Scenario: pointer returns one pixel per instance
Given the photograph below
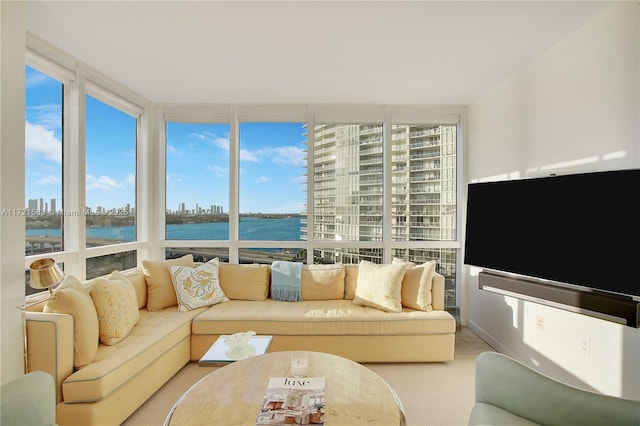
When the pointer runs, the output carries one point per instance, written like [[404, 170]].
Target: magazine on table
[[293, 401]]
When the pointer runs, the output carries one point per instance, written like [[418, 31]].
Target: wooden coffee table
[[354, 395]]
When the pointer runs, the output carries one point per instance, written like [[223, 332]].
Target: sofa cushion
[[71, 297], [116, 305], [160, 291], [322, 282], [317, 318], [197, 287], [380, 286], [244, 282], [416, 284], [155, 333]]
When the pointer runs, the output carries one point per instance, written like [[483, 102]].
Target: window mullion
[[74, 174]]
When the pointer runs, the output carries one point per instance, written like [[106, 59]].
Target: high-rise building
[[348, 189], [33, 204], [53, 205]]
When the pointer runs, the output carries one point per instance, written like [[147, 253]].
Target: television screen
[[580, 229]]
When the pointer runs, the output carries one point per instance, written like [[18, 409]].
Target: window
[[348, 188], [197, 181], [356, 214], [272, 180], [110, 186], [423, 193], [43, 163]]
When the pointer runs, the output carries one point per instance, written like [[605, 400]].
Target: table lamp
[[43, 273]]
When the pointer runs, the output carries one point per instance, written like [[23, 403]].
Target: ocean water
[[251, 228]]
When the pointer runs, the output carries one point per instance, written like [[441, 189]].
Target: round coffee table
[[354, 395]]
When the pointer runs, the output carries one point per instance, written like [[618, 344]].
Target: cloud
[[48, 116], [171, 180], [222, 143], [246, 155], [218, 170], [35, 79], [288, 156], [281, 156], [262, 179], [198, 136], [41, 141], [101, 183], [173, 150], [50, 180], [130, 180]]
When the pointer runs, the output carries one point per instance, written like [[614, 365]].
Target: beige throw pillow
[[416, 285], [197, 287], [116, 305], [379, 286], [244, 282], [160, 291], [71, 297], [322, 282], [350, 281]]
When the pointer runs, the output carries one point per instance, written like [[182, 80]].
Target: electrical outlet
[[540, 322], [585, 346]]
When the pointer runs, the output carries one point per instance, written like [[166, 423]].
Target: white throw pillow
[[417, 284], [379, 286], [197, 287]]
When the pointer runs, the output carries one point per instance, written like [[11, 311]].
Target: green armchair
[[29, 400], [510, 393]]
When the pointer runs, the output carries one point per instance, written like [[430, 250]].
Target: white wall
[[575, 108], [12, 42]]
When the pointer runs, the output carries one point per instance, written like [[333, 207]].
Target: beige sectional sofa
[[122, 376]]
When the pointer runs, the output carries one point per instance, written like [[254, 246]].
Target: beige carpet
[[431, 393]]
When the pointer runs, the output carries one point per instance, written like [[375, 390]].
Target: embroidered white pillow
[[197, 287], [379, 286]]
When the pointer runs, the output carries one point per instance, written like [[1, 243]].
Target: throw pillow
[[160, 291], [416, 285], [350, 281], [116, 305], [244, 282], [71, 297], [323, 282], [197, 287], [379, 286]]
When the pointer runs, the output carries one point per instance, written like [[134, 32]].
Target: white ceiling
[[394, 52]]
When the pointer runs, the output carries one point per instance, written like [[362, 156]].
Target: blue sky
[[272, 157]]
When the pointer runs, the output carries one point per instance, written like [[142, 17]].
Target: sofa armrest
[[517, 389], [50, 346], [437, 292]]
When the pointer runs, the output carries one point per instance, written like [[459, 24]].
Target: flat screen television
[[578, 230]]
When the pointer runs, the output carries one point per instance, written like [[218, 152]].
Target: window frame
[[80, 79]]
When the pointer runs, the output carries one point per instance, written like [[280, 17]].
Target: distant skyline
[[272, 158]]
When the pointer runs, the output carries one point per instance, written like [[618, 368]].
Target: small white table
[[216, 354]]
